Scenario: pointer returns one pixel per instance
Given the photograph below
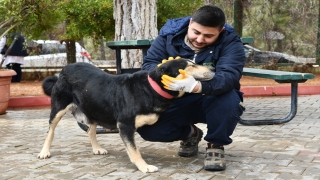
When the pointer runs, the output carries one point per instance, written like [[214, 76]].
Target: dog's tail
[[48, 84]]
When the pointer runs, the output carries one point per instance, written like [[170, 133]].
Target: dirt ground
[[33, 88]]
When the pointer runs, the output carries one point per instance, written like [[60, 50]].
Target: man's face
[[202, 36]]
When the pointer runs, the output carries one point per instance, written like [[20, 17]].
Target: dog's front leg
[[127, 135], [93, 138], [45, 151]]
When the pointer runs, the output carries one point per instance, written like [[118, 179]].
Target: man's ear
[[190, 21], [222, 29]]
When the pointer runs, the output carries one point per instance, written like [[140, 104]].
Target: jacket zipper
[[194, 58]]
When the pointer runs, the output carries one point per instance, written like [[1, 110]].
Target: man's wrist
[[197, 88]]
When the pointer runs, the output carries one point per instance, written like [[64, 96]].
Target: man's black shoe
[[189, 147]]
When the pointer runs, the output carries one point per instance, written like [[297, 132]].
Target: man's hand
[[185, 82]]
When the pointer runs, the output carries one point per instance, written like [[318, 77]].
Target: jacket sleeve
[[229, 69], [156, 53], [2, 42]]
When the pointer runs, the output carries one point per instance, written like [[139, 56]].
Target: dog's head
[[171, 68]]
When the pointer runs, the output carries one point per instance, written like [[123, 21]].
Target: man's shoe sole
[[214, 168], [187, 154]]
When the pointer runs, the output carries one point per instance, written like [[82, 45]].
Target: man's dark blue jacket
[[226, 55]]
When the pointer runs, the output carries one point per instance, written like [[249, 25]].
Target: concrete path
[[287, 151]]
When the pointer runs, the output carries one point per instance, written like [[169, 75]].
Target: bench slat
[[277, 75], [247, 40], [130, 44]]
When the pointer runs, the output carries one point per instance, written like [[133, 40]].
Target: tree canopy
[[37, 18], [169, 9], [91, 18], [296, 20]]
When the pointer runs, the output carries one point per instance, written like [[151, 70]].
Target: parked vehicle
[[254, 55], [52, 53]]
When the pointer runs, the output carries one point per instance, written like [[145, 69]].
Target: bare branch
[[6, 23], [3, 34]]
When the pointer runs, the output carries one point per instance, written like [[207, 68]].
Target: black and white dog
[[126, 101]]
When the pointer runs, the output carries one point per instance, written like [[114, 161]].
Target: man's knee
[[163, 134], [225, 108], [146, 134], [227, 100]]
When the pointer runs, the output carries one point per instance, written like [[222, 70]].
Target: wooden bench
[[279, 76], [40, 72]]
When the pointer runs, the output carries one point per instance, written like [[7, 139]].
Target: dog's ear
[[171, 68]]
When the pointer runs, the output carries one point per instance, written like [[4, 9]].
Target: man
[[16, 55], [205, 39]]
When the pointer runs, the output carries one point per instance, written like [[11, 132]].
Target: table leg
[[293, 112], [118, 60]]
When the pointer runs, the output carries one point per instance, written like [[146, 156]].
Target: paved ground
[[287, 151]]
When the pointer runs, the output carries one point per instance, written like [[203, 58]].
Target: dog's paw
[[149, 168], [100, 151], [44, 155]]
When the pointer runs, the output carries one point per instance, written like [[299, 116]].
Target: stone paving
[[286, 151]]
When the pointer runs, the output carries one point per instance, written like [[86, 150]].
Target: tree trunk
[[70, 48], [208, 2], [135, 19], [238, 16], [81, 42], [102, 51], [71, 51]]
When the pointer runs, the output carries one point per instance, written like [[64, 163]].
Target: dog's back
[[99, 95], [69, 78]]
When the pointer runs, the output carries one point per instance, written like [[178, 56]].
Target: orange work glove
[[169, 59]]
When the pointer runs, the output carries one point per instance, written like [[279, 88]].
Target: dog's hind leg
[[55, 117], [82, 118], [93, 138], [127, 136]]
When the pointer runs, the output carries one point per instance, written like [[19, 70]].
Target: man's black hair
[[209, 15]]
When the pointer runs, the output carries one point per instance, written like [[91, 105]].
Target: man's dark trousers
[[17, 68], [221, 113]]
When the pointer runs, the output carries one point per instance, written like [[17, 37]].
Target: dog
[[126, 101]]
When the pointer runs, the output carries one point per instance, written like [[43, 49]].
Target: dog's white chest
[[146, 119]]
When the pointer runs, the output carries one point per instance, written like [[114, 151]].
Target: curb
[[249, 91], [29, 101]]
